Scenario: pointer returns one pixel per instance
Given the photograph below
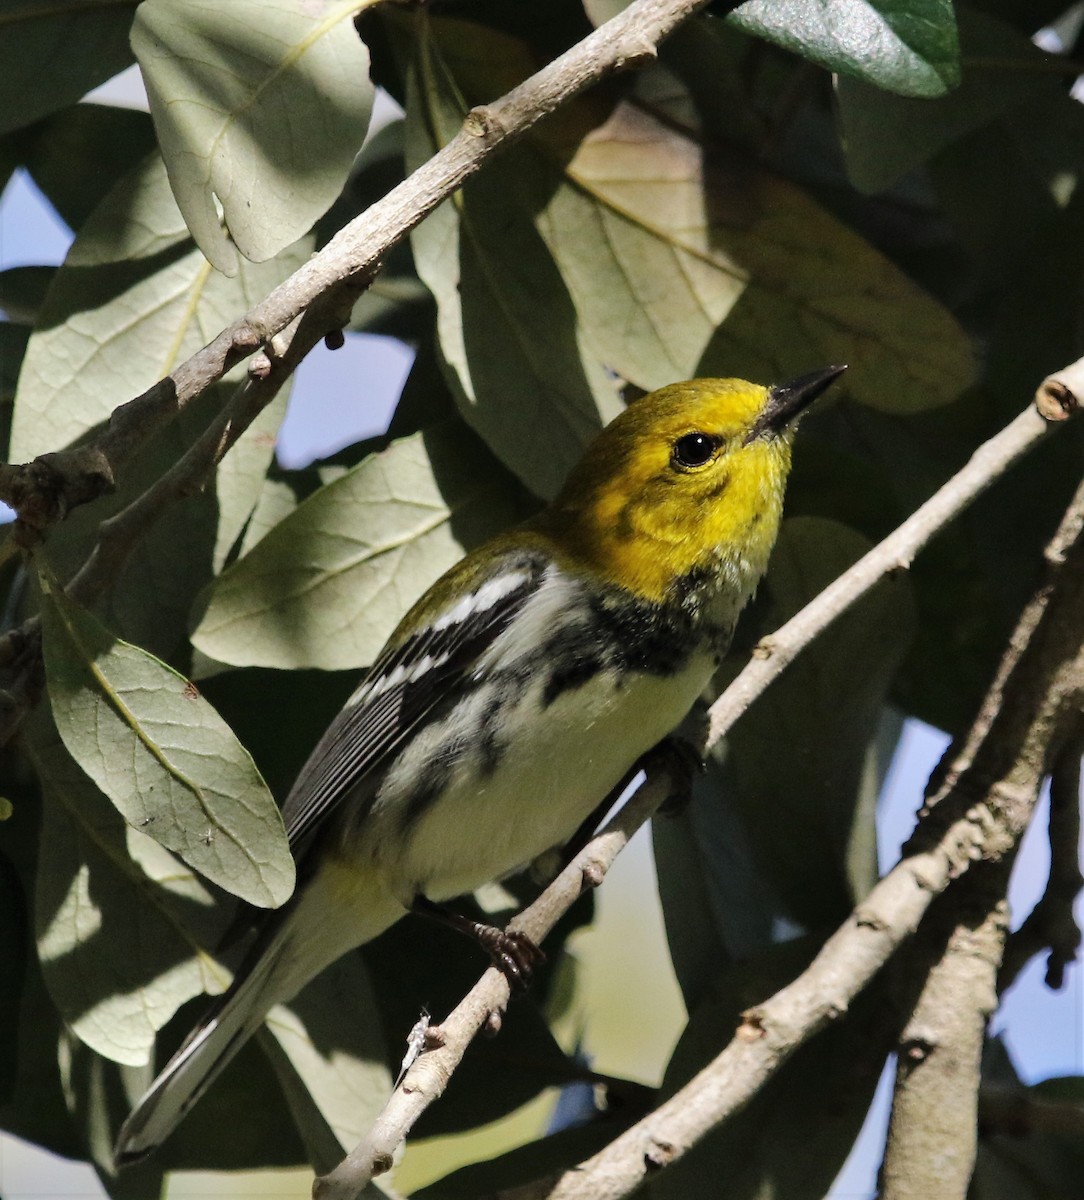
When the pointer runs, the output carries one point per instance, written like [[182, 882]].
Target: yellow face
[[688, 479]]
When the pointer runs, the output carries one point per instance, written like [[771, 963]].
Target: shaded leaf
[[162, 755], [52, 53], [908, 48], [507, 327], [22, 290], [100, 1094], [886, 136], [420, 964], [259, 110], [805, 755], [715, 902], [537, 1159], [326, 587], [14, 340], [77, 155], [329, 1057], [117, 916], [684, 261], [13, 954]]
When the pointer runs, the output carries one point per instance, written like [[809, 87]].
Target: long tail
[[202, 1057], [297, 944]]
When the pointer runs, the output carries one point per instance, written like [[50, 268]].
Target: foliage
[[733, 209]]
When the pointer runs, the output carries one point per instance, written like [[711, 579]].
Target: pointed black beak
[[787, 400]]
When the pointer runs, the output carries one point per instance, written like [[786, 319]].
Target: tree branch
[[45, 490], [977, 812], [1051, 924], [913, 887], [933, 1130]]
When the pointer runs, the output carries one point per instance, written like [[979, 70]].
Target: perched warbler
[[515, 694]]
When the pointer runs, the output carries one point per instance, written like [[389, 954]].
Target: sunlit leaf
[[330, 1059], [326, 587], [507, 328], [116, 914], [162, 755], [132, 300], [910, 48], [259, 109]]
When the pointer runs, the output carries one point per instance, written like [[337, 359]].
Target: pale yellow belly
[[556, 767]]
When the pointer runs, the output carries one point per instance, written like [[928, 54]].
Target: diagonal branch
[[978, 811], [933, 1129], [1051, 925], [45, 490], [427, 1078]]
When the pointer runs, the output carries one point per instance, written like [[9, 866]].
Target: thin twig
[[896, 553], [978, 813], [45, 490], [427, 1078], [1051, 924]]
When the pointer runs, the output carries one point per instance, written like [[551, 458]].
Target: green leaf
[[805, 756], [887, 136], [538, 1159], [132, 300], [162, 755], [327, 1048], [120, 923], [507, 327], [327, 586], [685, 261], [22, 290], [13, 947], [260, 110], [909, 48], [53, 52], [78, 154], [14, 340]]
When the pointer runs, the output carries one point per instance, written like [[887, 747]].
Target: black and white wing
[[405, 685]]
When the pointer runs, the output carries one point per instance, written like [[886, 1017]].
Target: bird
[[514, 696]]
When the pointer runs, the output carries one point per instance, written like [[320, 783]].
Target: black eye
[[693, 450]]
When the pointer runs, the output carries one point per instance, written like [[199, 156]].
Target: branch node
[[1055, 400], [245, 337], [751, 1028], [917, 1049], [482, 122], [660, 1153], [765, 648], [494, 1020], [334, 339], [593, 873], [260, 366]]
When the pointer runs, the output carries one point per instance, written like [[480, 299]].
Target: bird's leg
[[683, 762], [511, 952]]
